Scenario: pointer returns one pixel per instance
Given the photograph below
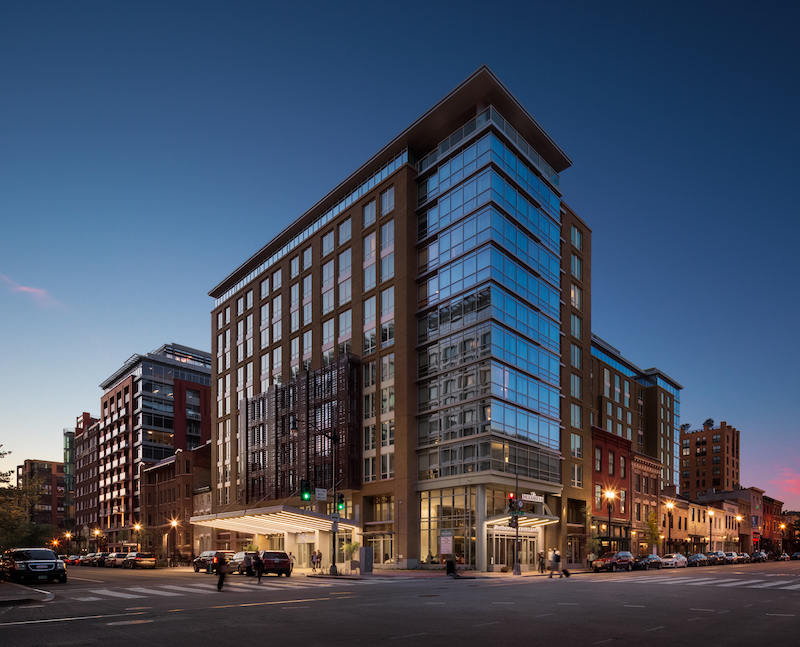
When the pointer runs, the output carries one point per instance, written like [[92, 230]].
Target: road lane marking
[[693, 619], [634, 606], [740, 583], [144, 591], [408, 636], [600, 642], [656, 628], [186, 589], [128, 622], [90, 599], [767, 585], [114, 594], [486, 624], [51, 620], [568, 604], [781, 615], [790, 588], [709, 580], [544, 615], [711, 610]]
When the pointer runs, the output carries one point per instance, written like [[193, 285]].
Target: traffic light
[[305, 490], [513, 523], [340, 502]]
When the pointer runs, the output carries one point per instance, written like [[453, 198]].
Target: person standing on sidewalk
[[291, 561], [555, 564], [541, 562], [319, 560], [314, 561]]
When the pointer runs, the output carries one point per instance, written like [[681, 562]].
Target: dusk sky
[[142, 144]]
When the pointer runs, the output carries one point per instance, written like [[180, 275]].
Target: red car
[[619, 561]]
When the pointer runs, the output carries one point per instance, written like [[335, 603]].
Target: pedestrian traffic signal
[[305, 490], [340, 502], [513, 523]]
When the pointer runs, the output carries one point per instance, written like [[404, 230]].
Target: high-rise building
[[402, 342], [152, 405], [709, 459]]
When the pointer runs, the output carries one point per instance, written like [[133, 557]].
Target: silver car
[[116, 560]]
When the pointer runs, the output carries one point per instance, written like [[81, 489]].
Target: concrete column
[[480, 529]]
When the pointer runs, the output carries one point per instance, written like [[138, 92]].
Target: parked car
[[241, 561], [32, 565], [674, 560], [698, 559], [646, 562], [73, 559], [795, 556], [621, 560], [758, 556], [276, 561], [86, 560], [115, 560], [714, 558], [731, 557], [783, 557], [744, 558], [99, 559], [139, 560]]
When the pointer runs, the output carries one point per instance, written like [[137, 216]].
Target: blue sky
[[143, 143]]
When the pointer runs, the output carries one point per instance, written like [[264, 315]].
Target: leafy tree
[[653, 535], [593, 544], [16, 503], [709, 422]]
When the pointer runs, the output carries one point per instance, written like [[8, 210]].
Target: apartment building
[[709, 459], [50, 507], [152, 405], [449, 277]]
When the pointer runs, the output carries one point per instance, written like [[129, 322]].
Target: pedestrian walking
[[291, 561], [319, 560], [258, 566], [314, 562], [590, 559], [541, 561], [222, 571], [555, 564]]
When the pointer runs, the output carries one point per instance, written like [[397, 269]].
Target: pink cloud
[[785, 487], [42, 297]]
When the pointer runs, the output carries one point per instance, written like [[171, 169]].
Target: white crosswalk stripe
[[741, 583], [146, 592], [114, 594], [777, 585]]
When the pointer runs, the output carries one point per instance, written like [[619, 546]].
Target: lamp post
[[783, 536], [138, 527], [97, 540], [333, 436], [670, 505], [174, 525], [68, 536], [610, 496]]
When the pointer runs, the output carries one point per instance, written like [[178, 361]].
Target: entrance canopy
[[273, 520], [525, 520]]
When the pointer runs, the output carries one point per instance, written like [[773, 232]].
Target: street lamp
[[97, 539], [174, 525], [783, 535], [610, 496], [137, 527], [670, 505], [333, 436]]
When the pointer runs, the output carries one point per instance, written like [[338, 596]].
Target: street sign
[[446, 542], [335, 516], [320, 494], [335, 526], [533, 497]]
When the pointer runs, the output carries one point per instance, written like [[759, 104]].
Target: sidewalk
[[19, 594], [428, 574]]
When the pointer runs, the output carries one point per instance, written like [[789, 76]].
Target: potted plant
[[350, 549]]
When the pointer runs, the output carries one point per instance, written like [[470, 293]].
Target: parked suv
[[276, 561], [32, 565], [621, 560]]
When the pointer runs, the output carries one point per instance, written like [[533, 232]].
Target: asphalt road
[[732, 605]]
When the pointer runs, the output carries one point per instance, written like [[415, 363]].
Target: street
[[736, 604]]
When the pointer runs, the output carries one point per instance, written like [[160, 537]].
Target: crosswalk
[[201, 588], [768, 582]]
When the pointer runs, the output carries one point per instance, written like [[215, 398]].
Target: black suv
[[32, 565]]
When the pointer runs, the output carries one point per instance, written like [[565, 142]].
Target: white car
[[674, 560]]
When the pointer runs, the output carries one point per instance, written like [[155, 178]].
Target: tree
[[593, 544], [709, 422], [653, 535], [16, 503]]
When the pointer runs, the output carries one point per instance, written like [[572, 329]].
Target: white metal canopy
[[272, 520]]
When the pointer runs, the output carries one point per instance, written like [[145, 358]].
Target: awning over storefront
[[273, 520]]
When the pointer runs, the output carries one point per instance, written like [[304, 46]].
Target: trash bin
[[450, 567]]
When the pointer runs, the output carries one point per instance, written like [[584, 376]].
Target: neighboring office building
[[50, 508], [611, 474], [642, 406], [774, 535], [155, 403], [709, 460], [646, 501], [439, 264], [168, 495]]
